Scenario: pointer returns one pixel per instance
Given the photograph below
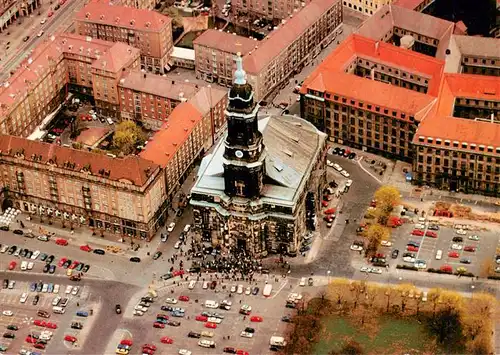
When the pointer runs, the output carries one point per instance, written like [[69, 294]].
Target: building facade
[[255, 191], [271, 10], [215, 54], [11, 10], [138, 4], [146, 30], [367, 8], [125, 197], [293, 45]]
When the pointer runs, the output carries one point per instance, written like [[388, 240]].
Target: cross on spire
[[239, 74]]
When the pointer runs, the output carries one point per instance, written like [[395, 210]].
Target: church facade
[[260, 188]]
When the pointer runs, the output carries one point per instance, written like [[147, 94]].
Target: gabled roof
[[119, 56], [226, 42], [130, 168], [206, 98], [100, 11], [173, 134], [486, 47]]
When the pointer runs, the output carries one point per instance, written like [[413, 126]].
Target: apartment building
[[150, 99], [473, 55], [177, 145], [215, 53], [366, 7], [90, 66], [147, 30], [268, 9], [125, 196], [458, 144], [424, 33], [138, 4], [372, 95], [415, 5], [11, 10], [292, 45]]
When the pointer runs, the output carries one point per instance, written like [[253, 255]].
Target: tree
[[404, 291], [390, 294], [476, 317], [387, 197], [375, 234], [175, 15], [487, 268], [339, 290], [350, 347], [127, 135]]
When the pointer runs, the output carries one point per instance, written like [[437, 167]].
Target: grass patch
[[391, 335]]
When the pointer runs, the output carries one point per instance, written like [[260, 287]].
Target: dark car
[[286, 319], [5, 283], [194, 335], [465, 260], [118, 309], [174, 323], [249, 330], [67, 263], [148, 299], [4, 228], [43, 314], [433, 227], [12, 250], [9, 335], [255, 291], [12, 327], [18, 231], [99, 251], [135, 259], [52, 269], [46, 268], [43, 257], [395, 253], [22, 252], [57, 7], [35, 300], [194, 269], [50, 259], [86, 268], [79, 267], [213, 285], [458, 239], [229, 350], [29, 254], [39, 287], [76, 325], [166, 308], [156, 256]]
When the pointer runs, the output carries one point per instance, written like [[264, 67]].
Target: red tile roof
[[117, 57], [277, 42], [408, 4], [461, 129], [120, 16], [173, 134], [131, 168], [225, 42]]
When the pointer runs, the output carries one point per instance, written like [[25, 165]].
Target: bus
[[267, 290]]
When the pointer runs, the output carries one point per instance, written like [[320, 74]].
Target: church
[[260, 187]]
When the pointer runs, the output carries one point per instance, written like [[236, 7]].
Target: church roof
[[292, 146]]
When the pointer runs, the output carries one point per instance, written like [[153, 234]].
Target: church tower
[[244, 152]]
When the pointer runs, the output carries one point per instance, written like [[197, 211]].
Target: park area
[[357, 317]]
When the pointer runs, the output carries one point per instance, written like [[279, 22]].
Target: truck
[[277, 342], [267, 290]]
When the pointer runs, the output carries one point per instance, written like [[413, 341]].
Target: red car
[[61, 2], [148, 351], [201, 318], [453, 254], [178, 273], [324, 203], [161, 315], [167, 340], [328, 218], [39, 346], [40, 323], [411, 248], [51, 325], [12, 265], [149, 346], [210, 325], [75, 264], [329, 211], [158, 325], [241, 352], [86, 248], [446, 268], [31, 340], [256, 319], [470, 248], [50, 14], [417, 232], [127, 342], [184, 298], [431, 234], [62, 242], [62, 261], [70, 338]]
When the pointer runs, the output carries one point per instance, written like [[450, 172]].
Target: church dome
[[241, 93]]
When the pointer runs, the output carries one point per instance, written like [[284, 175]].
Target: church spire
[[239, 74]]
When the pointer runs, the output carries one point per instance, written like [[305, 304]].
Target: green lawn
[[407, 334]]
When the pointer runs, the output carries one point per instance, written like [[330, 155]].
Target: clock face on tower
[[239, 154]]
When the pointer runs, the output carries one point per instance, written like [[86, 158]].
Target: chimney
[[144, 75], [372, 73], [376, 47]]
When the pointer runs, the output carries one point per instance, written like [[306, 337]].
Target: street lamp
[[328, 274]]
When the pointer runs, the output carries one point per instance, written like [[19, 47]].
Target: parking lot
[[468, 252], [271, 309]]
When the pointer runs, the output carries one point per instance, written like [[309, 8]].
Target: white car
[[184, 352], [140, 308], [227, 303], [23, 298], [178, 244], [408, 259], [329, 163], [56, 288], [12, 283], [205, 285], [4, 249], [138, 312], [302, 281], [214, 320], [337, 167], [171, 227], [386, 243], [43, 21], [171, 301], [8, 313], [206, 343], [456, 247], [40, 34], [420, 264], [461, 232], [375, 270], [30, 265], [246, 334], [233, 288], [248, 290], [420, 226], [35, 255], [356, 247], [344, 173], [240, 289], [69, 288], [43, 238], [24, 266], [474, 237], [365, 269], [348, 183], [75, 290]]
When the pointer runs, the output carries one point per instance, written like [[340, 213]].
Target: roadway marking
[[368, 172], [279, 290]]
